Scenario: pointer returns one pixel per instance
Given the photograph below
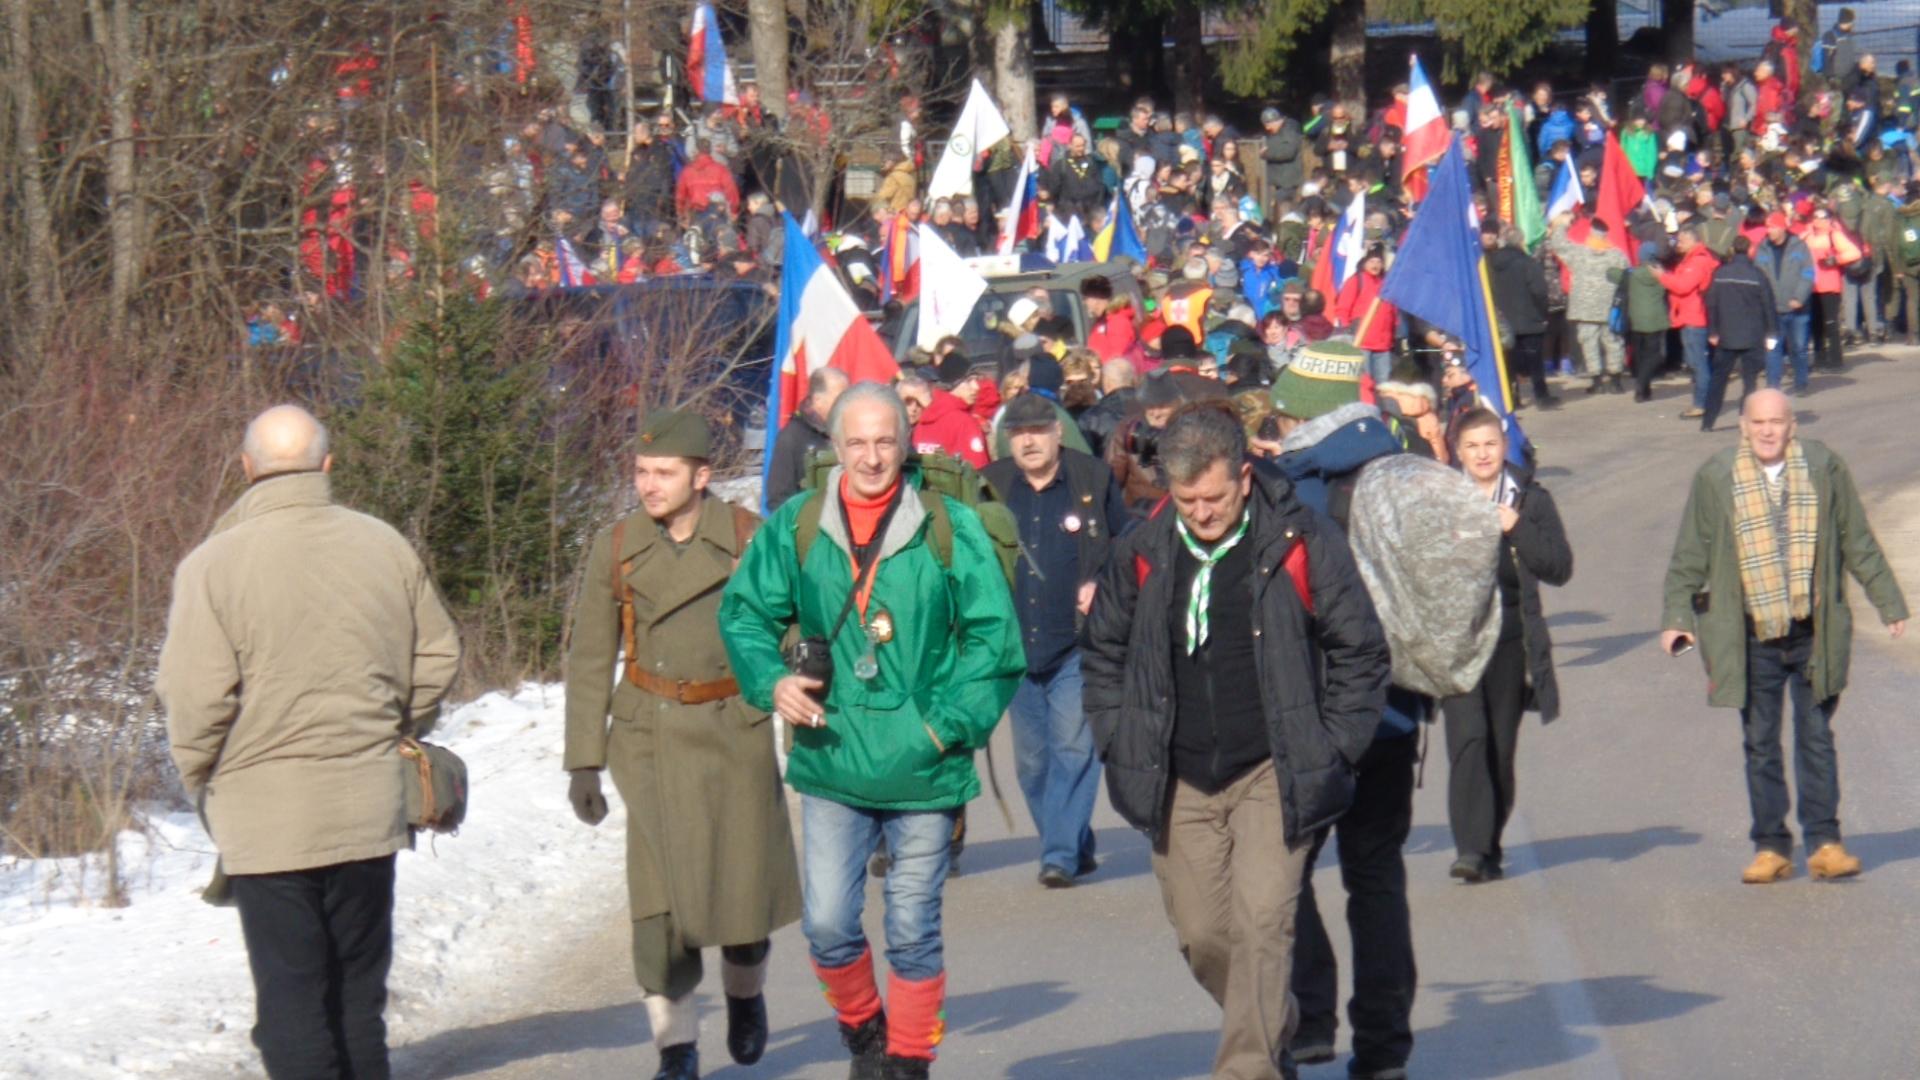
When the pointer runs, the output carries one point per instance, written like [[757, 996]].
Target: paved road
[[1622, 944]]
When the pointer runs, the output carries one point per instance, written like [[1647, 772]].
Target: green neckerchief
[[1201, 596]]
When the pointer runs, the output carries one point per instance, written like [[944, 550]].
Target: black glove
[[584, 792]]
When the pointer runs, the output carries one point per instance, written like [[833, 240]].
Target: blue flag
[[1126, 238], [1439, 276]]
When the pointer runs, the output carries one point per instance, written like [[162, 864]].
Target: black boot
[[906, 1068], [1616, 386], [1594, 387], [868, 1045], [681, 1062], [747, 1028]]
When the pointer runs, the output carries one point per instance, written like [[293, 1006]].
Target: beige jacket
[[303, 639]]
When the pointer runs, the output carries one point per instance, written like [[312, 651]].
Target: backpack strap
[[624, 597], [745, 524], [940, 527], [806, 526]]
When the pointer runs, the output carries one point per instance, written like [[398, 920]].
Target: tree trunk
[[1676, 25], [1013, 75], [1348, 57], [1189, 60], [1603, 38], [43, 286], [113, 33], [769, 27]]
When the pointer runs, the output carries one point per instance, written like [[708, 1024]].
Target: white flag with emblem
[[980, 126], [948, 289]]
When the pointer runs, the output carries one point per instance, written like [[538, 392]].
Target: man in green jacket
[[1758, 577], [710, 860], [908, 654]]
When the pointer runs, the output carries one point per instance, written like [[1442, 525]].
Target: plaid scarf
[[1778, 590]]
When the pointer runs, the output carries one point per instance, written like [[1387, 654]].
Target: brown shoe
[[1832, 861], [1693, 414], [1768, 867]]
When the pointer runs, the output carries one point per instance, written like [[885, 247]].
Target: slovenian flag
[[1022, 218], [573, 270], [1566, 196], [1425, 140], [707, 67], [818, 325]]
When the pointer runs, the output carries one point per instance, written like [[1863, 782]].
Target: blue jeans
[[835, 844], [1777, 669], [1795, 328], [1380, 365], [1053, 757], [1693, 346]]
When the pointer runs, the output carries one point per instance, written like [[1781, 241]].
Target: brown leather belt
[[680, 690]]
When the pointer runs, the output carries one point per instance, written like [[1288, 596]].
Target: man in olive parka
[[710, 855]]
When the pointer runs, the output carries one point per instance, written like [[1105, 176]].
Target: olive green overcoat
[[708, 838]]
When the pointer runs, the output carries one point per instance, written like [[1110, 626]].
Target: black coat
[[1322, 673], [1740, 307], [797, 442], [1519, 290], [1099, 422], [1541, 555]]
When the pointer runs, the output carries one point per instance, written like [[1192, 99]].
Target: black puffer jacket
[[1322, 674]]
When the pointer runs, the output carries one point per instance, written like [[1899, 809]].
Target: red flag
[[1620, 193], [1322, 279]]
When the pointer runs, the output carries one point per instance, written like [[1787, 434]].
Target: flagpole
[[1493, 335]]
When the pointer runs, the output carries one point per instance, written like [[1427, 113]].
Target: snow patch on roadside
[[161, 988]]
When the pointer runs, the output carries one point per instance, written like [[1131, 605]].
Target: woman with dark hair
[[1483, 724]]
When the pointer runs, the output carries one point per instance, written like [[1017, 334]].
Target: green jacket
[[1880, 226], [1706, 560], [1642, 148], [1907, 218], [906, 739], [1646, 299]]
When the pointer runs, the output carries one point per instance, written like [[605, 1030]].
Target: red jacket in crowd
[[1112, 335], [1687, 287], [1769, 97], [1356, 299], [947, 428], [699, 180], [1789, 42]]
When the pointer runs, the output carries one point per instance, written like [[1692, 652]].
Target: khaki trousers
[[1231, 885]]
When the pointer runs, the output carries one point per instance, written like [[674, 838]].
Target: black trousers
[[1372, 835], [1827, 327], [1721, 366], [1483, 730], [1528, 363], [1649, 357], [319, 942]]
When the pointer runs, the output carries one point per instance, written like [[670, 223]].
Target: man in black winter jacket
[[1520, 297], [1229, 776], [1742, 326], [804, 435]]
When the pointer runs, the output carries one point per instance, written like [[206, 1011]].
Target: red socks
[[851, 991], [916, 1015]]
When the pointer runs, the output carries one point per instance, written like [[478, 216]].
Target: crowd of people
[[1098, 527]]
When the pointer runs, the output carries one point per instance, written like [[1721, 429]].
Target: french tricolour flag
[[707, 67], [1567, 196], [1425, 140], [818, 326], [1349, 248]]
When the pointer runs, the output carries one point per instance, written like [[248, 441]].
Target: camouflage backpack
[[940, 475]]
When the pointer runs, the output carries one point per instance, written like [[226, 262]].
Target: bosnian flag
[[980, 126], [1349, 248], [818, 326], [1425, 140], [1022, 218], [1567, 195], [707, 67]]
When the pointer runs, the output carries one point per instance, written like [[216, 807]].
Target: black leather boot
[[868, 1045], [906, 1068], [681, 1062], [747, 1028]]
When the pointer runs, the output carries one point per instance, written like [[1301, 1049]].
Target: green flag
[[1519, 196]]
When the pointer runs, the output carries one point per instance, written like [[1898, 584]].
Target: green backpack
[[940, 475], [1910, 243]]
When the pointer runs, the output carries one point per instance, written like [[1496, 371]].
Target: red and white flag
[[1425, 140]]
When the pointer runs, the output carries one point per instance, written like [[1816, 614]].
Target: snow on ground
[[160, 987]]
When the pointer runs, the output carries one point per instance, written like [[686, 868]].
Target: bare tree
[[769, 26], [42, 269], [1013, 68]]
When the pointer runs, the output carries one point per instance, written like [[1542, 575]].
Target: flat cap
[[674, 433]]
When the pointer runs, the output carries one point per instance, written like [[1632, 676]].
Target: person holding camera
[[710, 858], [908, 653], [1758, 578]]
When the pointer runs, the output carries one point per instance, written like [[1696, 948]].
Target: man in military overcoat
[[650, 696]]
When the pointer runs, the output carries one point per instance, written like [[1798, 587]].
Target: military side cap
[[1323, 377], [674, 433]]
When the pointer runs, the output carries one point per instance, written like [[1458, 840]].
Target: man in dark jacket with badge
[[710, 857], [1067, 508], [1231, 776]]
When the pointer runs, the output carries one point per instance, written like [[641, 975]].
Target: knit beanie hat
[[1322, 377]]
